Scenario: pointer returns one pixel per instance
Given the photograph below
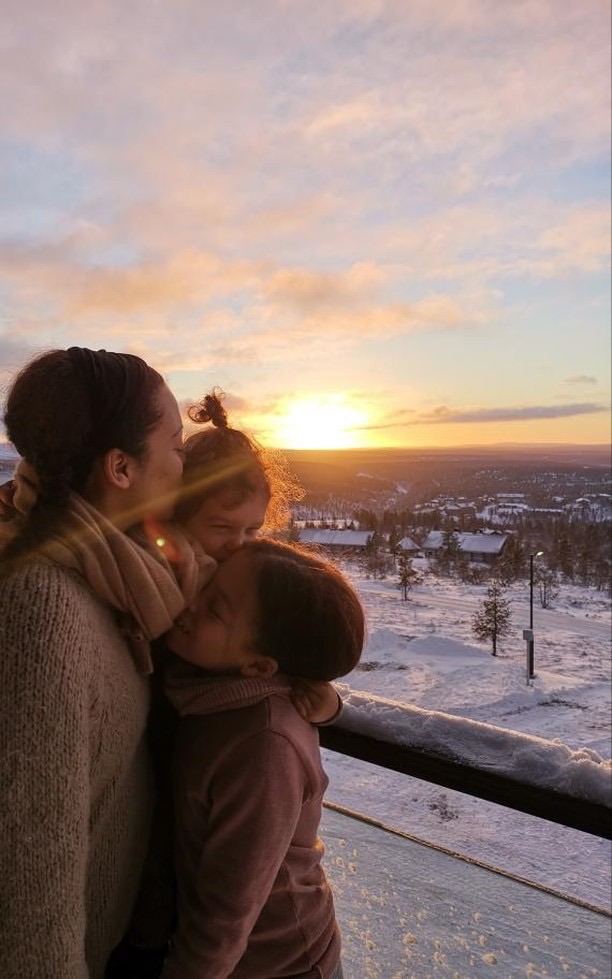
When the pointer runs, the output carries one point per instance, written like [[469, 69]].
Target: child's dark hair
[[220, 459], [310, 618]]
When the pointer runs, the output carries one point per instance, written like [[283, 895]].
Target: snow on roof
[[407, 544], [433, 540], [335, 538], [481, 543], [581, 773]]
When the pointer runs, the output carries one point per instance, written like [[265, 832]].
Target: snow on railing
[[524, 772]]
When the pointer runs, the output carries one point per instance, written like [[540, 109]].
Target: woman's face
[[222, 526], [157, 478], [217, 633]]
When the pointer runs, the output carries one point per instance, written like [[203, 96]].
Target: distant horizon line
[[457, 447], [461, 445]]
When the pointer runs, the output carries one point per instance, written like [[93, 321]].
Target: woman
[[79, 602]]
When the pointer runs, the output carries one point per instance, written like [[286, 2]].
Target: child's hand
[[316, 700]]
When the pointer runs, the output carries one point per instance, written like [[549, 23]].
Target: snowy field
[[421, 652]]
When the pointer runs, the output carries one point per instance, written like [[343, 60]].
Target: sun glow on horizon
[[320, 422]]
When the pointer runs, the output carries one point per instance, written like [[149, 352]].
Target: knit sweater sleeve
[[44, 778], [251, 822]]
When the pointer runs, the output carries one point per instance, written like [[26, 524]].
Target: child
[[232, 488], [253, 900]]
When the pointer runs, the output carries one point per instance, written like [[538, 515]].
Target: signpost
[[528, 637]]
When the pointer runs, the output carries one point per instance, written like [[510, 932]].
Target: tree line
[[574, 551]]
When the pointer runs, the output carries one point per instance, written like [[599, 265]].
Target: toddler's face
[[218, 631], [222, 527]]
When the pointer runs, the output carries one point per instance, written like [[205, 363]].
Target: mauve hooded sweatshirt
[[253, 900]]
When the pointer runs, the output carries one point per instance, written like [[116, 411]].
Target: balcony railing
[[558, 807], [409, 909], [376, 746]]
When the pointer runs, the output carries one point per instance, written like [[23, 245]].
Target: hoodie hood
[[192, 691]]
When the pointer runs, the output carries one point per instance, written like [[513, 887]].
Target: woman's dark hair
[[310, 618], [64, 410], [224, 460]]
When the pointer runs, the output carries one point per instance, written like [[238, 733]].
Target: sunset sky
[[371, 222]]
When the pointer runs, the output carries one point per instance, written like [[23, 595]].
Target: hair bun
[[210, 409]]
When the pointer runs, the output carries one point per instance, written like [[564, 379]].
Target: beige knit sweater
[[74, 782]]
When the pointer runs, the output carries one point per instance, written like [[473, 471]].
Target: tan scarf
[[130, 574]]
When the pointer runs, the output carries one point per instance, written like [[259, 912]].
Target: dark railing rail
[[558, 807]]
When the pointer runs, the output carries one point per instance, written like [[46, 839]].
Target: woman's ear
[[117, 468], [260, 666]]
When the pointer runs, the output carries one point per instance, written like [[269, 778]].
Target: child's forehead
[[230, 502], [225, 499]]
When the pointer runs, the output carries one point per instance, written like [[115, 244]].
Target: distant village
[[563, 516], [483, 546], [475, 539]]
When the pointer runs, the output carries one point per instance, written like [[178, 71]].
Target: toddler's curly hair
[[223, 460]]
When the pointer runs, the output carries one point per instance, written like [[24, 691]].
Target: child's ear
[[260, 666]]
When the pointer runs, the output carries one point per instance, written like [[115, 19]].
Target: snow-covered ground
[[422, 653]]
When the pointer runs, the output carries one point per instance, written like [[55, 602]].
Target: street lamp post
[[530, 639]]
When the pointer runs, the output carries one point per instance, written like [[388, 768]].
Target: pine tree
[[491, 620], [512, 562], [564, 556], [586, 555], [448, 552], [602, 574], [547, 582], [376, 562], [408, 575], [450, 543], [451, 546], [394, 539]]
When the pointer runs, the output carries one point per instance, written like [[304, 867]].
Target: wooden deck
[[410, 911]]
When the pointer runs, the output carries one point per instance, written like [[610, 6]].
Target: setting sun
[[320, 422]]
